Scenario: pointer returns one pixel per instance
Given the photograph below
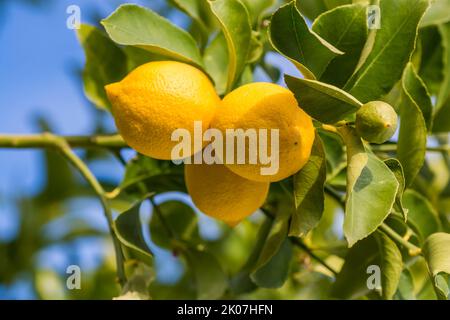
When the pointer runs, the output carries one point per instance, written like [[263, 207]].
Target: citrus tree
[[364, 213]]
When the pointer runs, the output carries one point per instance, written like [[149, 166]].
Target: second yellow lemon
[[268, 106], [223, 195], [157, 98]]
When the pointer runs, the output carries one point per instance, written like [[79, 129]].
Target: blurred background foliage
[[60, 223]]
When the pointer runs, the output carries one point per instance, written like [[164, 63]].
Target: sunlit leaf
[[308, 192], [289, 35], [323, 102], [391, 50], [105, 64], [137, 26], [235, 24]]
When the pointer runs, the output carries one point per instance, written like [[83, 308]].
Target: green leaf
[[334, 151], [289, 35], [412, 140], [441, 119], [418, 92], [181, 221], [371, 189], [395, 166], [216, 62], [422, 217], [129, 230], [277, 234], [437, 253], [323, 102], [197, 10], [257, 8], [241, 282], [351, 282], [405, 290], [235, 24], [313, 8], [308, 192], [209, 276], [274, 273], [132, 25], [439, 12], [352, 20], [391, 265], [392, 48], [105, 64]]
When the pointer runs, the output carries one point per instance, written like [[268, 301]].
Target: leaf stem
[[412, 249]]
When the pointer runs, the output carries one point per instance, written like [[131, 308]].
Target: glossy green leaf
[[395, 166], [371, 189], [412, 140], [274, 273], [441, 119], [235, 24], [216, 62], [391, 265], [129, 230], [437, 253], [308, 192], [422, 217], [289, 35], [180, 224], [137, 26], [323, 102], [352, 20], [211, 281], [105, 64], [439, 12], [417, 90], [391, 50]]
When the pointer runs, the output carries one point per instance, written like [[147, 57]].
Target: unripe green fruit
[[376, 122]]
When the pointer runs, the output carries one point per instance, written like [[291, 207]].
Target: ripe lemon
[[267, 106], [223, 195], [157, 98]]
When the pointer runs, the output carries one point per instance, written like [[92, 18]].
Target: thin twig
[[413, 250], [42, 141]]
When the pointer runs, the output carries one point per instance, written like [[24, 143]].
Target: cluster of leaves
[[393, 196]]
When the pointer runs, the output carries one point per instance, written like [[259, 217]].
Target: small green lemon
[[376, 122]]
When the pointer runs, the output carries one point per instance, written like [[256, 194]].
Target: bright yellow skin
[[157, 98], [221, 194], [268, 106]]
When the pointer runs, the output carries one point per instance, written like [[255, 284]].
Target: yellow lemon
[[266, 106], [157, 98], [221, 194]]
